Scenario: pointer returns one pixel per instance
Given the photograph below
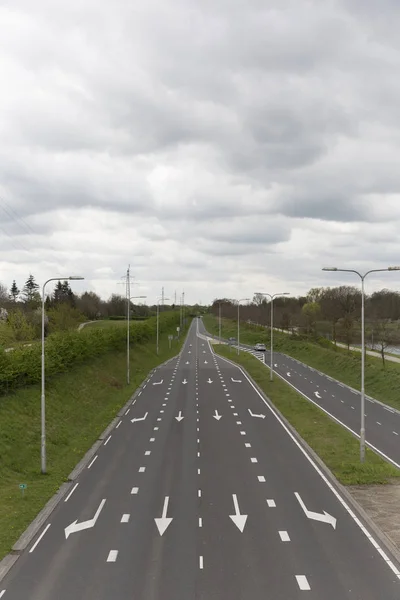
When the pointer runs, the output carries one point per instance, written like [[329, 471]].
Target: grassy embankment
[[80, 404], [339, 450], [380, 383]]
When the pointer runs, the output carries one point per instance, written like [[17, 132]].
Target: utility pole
[[162, 297], [183, 308]]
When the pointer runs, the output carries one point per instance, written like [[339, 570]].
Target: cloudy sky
[[222, 147]]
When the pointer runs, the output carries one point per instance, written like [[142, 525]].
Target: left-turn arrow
[[75, 526]]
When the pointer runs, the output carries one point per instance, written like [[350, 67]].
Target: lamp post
[[219, 321], [272, 296], [238, 324], [127, 337], [362, 277], [43, 396], [158, 317]]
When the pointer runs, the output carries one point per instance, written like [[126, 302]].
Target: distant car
[[260, 347], [232, 340]]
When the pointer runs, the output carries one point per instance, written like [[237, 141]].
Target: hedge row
[[22, 366]]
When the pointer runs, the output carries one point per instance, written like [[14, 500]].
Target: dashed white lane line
[[198, 454], [235, 414], [147, 453], [92, 462], [134, 490], [200, 522], [352, 408], [378, 423], [284, 536], [254, 460], [238, 422], [159, 419], [152, 439], [112, 556], [302, 582], [142, 469], [198, 471], [125, 518], [107, 440], [247, 445], [127, 411], [198, 440], [201, 562], [118, 425], [40, 537], [155, 429], [199, 493], [242, 433], [261, 478], [2, 593], [395, 433], [71, 492], [271, 503]]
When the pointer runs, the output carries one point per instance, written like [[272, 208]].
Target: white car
[[260, 347]]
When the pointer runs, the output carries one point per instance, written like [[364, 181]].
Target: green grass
[[380, 383], [339, 450], [80, 404], [104, 324]]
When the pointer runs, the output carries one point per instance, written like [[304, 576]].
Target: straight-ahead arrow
[[217, 416], [257, 416], [141, 418], [190, 352], [164, 521], [187, 362], [184, 382], [209, 380], [179, 417], [237, 518], [75, 526], [317, 394], [323, 517], [158, 382], [236, 380], [205, 362]]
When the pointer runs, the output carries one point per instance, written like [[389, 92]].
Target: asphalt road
[[382, 423], [222, 504]]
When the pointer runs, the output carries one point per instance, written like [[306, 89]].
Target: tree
[[3, 293], [311, 312], [384, 336], [14, 292], [30, 292], [117, 306], [331, 308]]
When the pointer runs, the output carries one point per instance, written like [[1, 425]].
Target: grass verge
[[79, 406], [380, 383], [339, 450]]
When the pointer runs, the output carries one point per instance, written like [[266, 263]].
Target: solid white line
[[201, 562], [125, 518], [254, 460], [39, 538], [390, 564], [118, 425], [284, 536], [271, 503], [71, 492], [261, 478], [127, 411], [200, 522], [388, 409], [107, 440], [112, 556], [302, 582], [142, 469], [92, 462], [2, 593]]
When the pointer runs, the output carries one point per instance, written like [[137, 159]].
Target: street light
[[238, 305], [158, 316], [272, 296], [362, 277], [43, 397], [127, 337]]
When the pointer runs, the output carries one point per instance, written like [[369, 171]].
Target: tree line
[[333, 312]]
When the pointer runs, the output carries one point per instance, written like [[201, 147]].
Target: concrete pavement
[[224, 503]]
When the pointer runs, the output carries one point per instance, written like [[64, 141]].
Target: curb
[[383, 537], [26, 537]]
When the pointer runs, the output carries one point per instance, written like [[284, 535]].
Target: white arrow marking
[[187, 362], [323, 517], [257, 416], [217, 416], [237, 518], [190, 352], [75, 526], [163, 523], [236, 380], [158, 382], [209, 380], [184, 382], [141, 418], [179, 417], [275, 365], [204, 351], [288, 374], [317, 394], [205, 362]]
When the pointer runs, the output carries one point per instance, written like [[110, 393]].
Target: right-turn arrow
[[256, 416], [323, 517]]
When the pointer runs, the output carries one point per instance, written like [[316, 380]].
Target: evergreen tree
[[30, 291], [14, 292]]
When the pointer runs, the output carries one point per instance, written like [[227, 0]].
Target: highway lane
[[382, 423], [169, 492]]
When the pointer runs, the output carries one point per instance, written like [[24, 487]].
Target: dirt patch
[[382, 504]]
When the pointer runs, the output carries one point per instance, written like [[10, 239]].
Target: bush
[[65, 349]]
